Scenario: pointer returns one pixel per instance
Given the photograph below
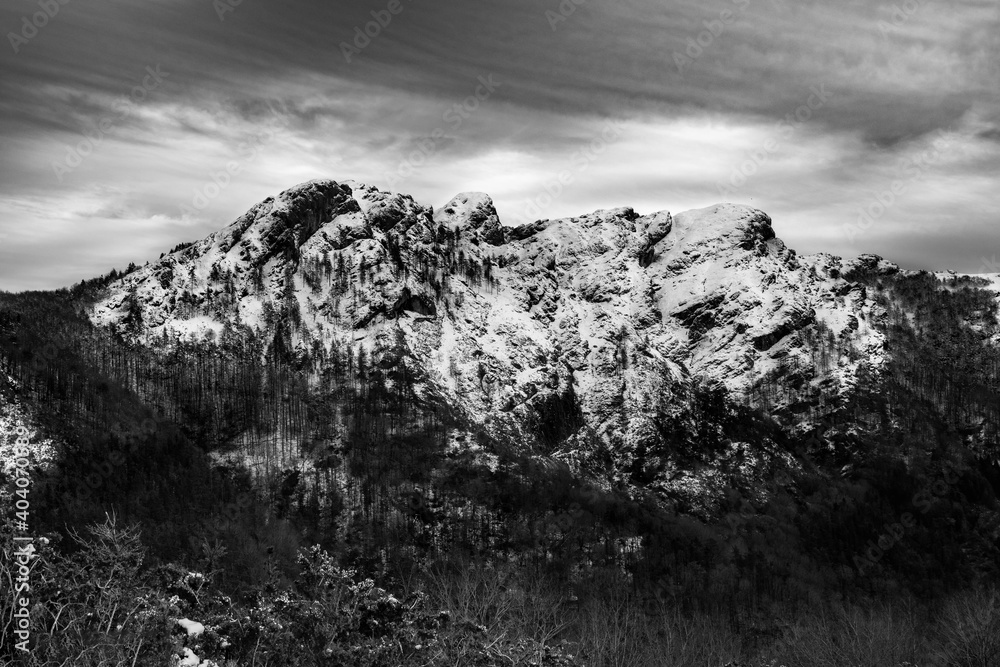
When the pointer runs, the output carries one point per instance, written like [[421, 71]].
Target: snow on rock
[[991, 281], [474, 213], [193, 628], [732, 288], [869, 263], [499, 322], [189, 659], [39, 453]]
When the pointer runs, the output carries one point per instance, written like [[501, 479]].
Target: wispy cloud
[[683, 133]]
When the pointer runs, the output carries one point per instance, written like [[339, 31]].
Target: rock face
[[621, 308]]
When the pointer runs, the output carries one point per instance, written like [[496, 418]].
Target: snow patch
[[193, 628]]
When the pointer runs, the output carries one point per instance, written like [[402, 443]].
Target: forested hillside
[[320, 505]]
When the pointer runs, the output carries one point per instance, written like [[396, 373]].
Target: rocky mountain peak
[[473, 212], [279, 226], [722, 228], [614, 305]]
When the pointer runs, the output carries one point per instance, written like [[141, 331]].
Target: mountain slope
[[677, 404], [619, 309]]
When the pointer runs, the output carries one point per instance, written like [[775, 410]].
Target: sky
[[127, 127]]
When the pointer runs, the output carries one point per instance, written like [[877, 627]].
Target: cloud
[[269, 88]]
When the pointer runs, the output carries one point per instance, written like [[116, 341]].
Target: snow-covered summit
[[475, 212], [620, 307]]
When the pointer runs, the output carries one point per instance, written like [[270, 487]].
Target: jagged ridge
[[619, 306]]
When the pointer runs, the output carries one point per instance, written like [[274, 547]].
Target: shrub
[[970, 629], [92, 606]]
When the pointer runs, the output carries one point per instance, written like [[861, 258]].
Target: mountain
[[617, 307], [660, 413]]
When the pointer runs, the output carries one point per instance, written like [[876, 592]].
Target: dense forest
[[412, 537]]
